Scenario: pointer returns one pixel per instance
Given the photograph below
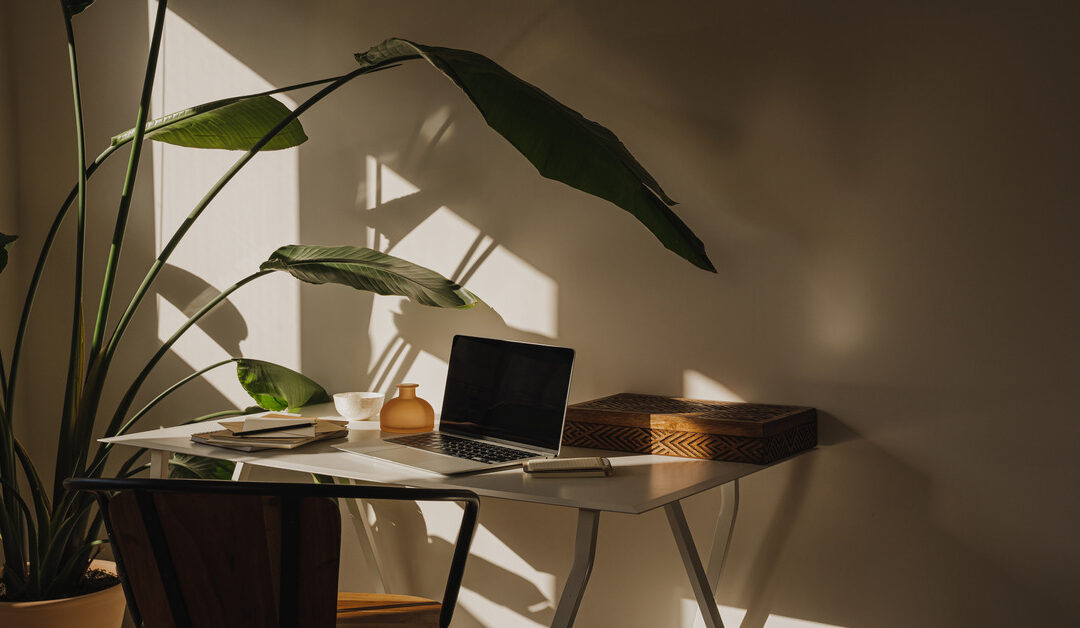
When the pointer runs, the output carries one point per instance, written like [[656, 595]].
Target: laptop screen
[[512, 391]]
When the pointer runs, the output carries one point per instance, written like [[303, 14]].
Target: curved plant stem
[[75, 353], [72, 459], [129, 182], [182, 230], [114, 429], [35, 280], [165, 393]]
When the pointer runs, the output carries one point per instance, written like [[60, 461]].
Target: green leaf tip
[[230, 124], [75, 7], [371, 271], [562, 144], [275, 387], [5, 242]]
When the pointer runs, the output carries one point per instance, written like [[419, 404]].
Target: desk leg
[[725, 526], [241, 472], [159, 464], [584, 550], [692, 563], [362, 525]]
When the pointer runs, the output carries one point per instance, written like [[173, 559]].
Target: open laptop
[[505, 403]]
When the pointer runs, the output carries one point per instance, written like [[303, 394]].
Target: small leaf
[[369, 270], [562, 144], [230, 124], [5, 242], [275, 387], [74, 7]]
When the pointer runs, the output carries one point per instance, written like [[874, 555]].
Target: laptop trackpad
[[425, 460]]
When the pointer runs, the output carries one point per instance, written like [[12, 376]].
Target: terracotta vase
[[407, 413], [101, 609]]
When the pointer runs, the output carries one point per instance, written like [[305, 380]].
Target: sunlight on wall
[[526, 298], [697, 385], [733, 618], [199, 350], [256, 213], [442, 521]]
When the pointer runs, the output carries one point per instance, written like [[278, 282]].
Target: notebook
[[271, 431]]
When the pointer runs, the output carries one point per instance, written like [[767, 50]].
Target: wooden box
[[691, 428]]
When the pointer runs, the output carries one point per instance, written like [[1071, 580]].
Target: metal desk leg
[[362, 525], [584, 550], [159, 464], [692, 563]]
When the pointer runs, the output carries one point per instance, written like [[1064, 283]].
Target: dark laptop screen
[[512, 391]]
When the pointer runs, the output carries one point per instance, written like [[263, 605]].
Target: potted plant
[[48, 535]]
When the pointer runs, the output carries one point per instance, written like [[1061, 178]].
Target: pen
[[264, 430]]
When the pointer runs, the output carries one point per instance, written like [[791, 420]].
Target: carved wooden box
[[691, 428]]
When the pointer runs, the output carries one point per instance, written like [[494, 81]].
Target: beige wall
[[9, 218], [889, 195]]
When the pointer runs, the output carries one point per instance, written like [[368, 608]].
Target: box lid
[[690, 415]]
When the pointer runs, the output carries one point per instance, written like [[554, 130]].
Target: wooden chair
[[210, 554]]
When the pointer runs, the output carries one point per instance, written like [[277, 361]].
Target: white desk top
[[639, 483]]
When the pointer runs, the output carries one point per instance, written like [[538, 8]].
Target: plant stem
[[35, 280], [129, 182], [75, 353], [114, 429], [138, 415], [178, 235], [74, 457]]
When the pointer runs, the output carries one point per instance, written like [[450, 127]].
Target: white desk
[[640, 483]]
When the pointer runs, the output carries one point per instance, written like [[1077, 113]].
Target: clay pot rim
[[107, 565]]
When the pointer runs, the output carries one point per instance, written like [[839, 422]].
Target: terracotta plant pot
[[101, 609]]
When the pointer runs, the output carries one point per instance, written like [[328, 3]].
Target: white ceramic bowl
[[358, 406]]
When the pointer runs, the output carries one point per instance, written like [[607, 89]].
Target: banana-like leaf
[[74, 7], [5, 242], [560, 142], [275, 387], [369, 270], [199, 468], [230, 124]]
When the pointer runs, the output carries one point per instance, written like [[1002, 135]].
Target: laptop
[[505, 403]]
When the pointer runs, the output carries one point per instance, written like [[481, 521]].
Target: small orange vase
[[407, 413]]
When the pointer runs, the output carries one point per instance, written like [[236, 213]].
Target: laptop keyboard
[[461, 447]]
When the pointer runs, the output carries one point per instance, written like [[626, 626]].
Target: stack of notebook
[[271, 431]]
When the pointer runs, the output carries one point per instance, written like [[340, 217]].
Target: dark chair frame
[[290, 494]]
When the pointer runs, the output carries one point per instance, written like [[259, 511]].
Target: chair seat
[[384, 609]]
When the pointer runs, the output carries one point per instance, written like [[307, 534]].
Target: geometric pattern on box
[[691, 428], [691, 445]]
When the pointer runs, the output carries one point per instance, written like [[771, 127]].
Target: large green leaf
[[275, 387], [5, 242], [560, 142], [369, 270], [230, 124]]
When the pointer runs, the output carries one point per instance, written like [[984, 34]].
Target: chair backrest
[[219, 554], [219, 560]]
